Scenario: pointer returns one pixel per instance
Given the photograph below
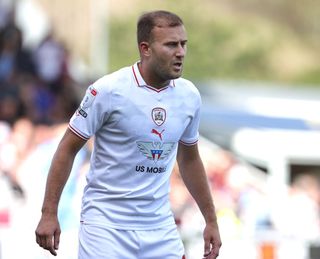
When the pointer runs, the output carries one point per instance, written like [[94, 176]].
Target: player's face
[[168, 49]]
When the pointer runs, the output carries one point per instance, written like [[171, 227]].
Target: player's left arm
[[194, 176]]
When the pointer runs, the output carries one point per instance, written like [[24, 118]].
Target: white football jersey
[[137, 129]]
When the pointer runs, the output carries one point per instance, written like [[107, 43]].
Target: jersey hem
[[128, 226]]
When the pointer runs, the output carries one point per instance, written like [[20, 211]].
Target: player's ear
[[144, 48]]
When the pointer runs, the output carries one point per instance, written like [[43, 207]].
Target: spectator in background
[[14, 149], [15, 65], [15, 61], [50, 59], [299, 215], [55, 83], [37, 101], [10, 106], [38, 86]]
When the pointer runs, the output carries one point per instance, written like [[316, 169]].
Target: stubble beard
[[169, 74]]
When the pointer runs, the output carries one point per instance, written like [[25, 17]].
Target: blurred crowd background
[[51, 51]]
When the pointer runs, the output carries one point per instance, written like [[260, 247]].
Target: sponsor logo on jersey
[[159, 134], [93, 91], [88, 98], [82, 113], [158, 115], [150, 169], [155, 150]]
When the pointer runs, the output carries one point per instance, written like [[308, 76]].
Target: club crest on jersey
[[88, 98], [155, 150], [158, 115]]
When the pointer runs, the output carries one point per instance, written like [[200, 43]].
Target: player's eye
[[172, 44]]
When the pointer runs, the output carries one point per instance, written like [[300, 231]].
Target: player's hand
[[212, 241], [48, 233]]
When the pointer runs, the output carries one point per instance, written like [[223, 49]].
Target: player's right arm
[[48, 229]]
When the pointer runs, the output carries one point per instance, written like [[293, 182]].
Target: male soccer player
[[144, 118]]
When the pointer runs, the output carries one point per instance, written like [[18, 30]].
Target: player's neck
[[150, 79]]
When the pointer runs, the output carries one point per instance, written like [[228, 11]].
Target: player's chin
[[176, 74]]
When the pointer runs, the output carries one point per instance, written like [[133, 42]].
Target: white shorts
[[98, 242]]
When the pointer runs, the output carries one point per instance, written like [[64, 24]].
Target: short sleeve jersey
[[136, 131]]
